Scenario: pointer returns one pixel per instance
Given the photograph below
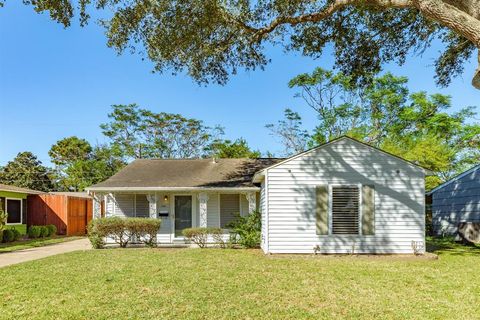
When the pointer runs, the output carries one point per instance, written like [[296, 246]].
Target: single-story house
[[340, 197], [13, 201], [456, 202]]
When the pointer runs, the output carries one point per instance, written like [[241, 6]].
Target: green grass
[[32, 243], [226, 284]]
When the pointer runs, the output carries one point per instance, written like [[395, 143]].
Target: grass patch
[[22, 228], [225, 284], [33, 243]]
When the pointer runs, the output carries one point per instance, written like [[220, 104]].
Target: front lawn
[[215, 283], [33, 243]]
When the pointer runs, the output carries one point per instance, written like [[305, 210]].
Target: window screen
[[229, 208], [14, 211], [345, 210]]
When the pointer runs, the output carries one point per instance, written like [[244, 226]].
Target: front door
[[183, 214]]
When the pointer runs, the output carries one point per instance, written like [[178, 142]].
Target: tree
[[290, 133], [234, 149], [140, 133], [385, 114], [212, 39], [78, 165], [26, 171]]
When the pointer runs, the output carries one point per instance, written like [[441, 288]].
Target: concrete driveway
[[7, 259]]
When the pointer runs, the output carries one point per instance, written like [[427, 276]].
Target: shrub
[[16, 234], [44, 232], [143, 230], [96, 239], [7, 235], [52, 230], [248, 229], [217, 235], [199, 236], [34, 232], [122, 231]]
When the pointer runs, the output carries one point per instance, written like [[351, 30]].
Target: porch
[[179, 209]]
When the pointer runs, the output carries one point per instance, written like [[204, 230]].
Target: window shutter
[[368, 210], [322, 209]]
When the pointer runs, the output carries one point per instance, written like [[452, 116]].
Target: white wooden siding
[[141, 206], [399, 200], [124, 205], [263, 213], [213, 213]]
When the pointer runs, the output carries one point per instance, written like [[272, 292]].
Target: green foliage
[[26, 171], [140, 133], [144, 230], [290, 132], [248, 228], [96, 239], [34, 232], [78, 165], [385, 114], [3, 217], [212, 39], [199, 236], [8, 236], [44, 232], [123, 231], [52, 230], [16, 234], [233, 149]]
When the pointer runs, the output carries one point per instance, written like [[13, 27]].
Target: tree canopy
[[416, 126], [233, 149], [212, 39], [26, 171]]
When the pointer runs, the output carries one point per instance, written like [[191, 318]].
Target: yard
[[214, 283]]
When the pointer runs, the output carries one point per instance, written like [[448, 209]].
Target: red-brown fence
[[68, 213]]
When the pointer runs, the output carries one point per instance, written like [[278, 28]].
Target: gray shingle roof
[[187, 173], [4, 187]]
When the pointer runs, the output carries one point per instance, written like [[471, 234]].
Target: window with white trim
[[14, 211], [345, 210]]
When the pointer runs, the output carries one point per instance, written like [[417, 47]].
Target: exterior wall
[[131, 205], [458, 201], [263, 211], [290, 192]]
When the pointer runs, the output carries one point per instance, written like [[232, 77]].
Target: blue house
[[456, 203]]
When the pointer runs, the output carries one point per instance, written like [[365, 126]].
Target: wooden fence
[[69, 214]]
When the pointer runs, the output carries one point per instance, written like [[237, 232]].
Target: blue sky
[[57, 82]]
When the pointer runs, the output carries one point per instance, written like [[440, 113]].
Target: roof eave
[[174, 189]]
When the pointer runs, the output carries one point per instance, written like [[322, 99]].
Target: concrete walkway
[[7, 259]]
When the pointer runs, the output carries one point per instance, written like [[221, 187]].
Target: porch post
[[152, 205], [97, 205], [203, 200], [252, 201]]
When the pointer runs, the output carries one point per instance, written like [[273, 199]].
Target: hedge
[[123, 231], [199, 236]]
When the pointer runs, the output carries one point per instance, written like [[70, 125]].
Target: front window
[[14, 211]]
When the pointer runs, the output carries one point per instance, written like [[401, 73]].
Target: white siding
[[399, 200], [124, 205], [141, 206], [243, 205], [263, 211]]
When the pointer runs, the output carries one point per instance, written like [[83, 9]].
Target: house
[[456, 202], [340, 197], [13, 201]]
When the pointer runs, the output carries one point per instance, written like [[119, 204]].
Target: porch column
[[252, 201], [97, 205], [152, 205], [203, 200]]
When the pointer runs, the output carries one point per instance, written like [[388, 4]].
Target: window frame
[[21, 211], [330, 207]]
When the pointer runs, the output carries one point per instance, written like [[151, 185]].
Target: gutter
[[109, 189]]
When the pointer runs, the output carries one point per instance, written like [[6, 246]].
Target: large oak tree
[[212, 39]]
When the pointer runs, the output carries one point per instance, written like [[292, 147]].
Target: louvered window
[[345, 210]]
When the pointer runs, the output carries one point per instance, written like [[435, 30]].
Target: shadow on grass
[[449, 246]]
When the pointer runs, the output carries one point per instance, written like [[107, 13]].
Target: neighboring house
[[14, 202], [456, 201], [340, 197]]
